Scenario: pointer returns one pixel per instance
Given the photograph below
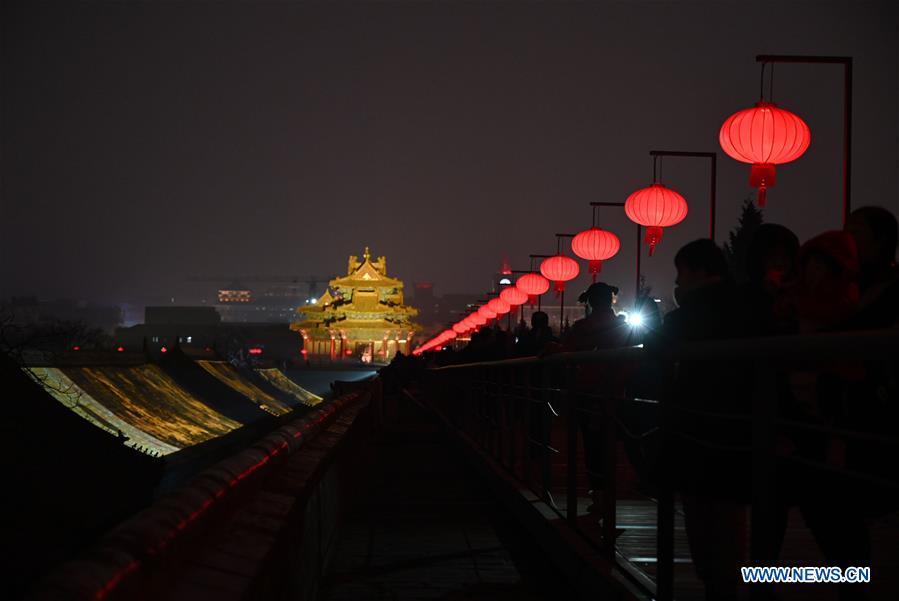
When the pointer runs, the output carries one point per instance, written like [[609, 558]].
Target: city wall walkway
[[420, 524]]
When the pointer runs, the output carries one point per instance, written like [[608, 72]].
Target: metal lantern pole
[[521, 306], [639, 247], [713, 177], [846, 61], [562, 292], [539, 298]]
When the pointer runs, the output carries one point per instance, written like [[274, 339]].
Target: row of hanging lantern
[[763, 136], [526, 289]]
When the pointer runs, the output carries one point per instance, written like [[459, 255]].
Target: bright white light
[[635, 320], [505, 281]]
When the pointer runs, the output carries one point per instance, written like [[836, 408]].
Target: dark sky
[[145, 142]]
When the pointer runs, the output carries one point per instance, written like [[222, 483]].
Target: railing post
[[609, 492], [498, 413], [764, 466], [571, 416], [546, 434], [526, 433], [510, 421], [665, 511], [474, 406]]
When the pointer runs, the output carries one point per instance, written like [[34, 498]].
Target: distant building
[[361, 315], [170, 326], [235, 293], [30, 310], [199, 329], [174, 315]]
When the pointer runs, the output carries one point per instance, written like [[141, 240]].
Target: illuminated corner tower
[[360, 315]]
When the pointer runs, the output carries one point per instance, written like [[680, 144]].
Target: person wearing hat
[[600, 329]]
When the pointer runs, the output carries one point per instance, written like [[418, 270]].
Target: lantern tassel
[[560, 288], [762, 176], [653, 237], [595, 268]]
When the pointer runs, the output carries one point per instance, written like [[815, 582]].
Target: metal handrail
[[864, 345], [766, 356]]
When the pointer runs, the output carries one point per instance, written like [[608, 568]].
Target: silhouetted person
[[481, 346], [874, 230], [710, 475], [600, 329], [538, 338], [641, 417], [503, 345], [827, 293], [827, 297], [771, 264], [874, 401]]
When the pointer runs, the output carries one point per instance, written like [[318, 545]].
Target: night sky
[[146, 142]]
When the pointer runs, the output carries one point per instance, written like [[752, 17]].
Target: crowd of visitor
[[837, 281]]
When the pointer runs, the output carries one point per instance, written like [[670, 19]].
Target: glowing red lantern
[[477, 319], [487, 312], [764, 136], [559, 269], [595, 245], [514, 296], [459, 328], [532, 284], [655, 207], [499, 306], [448, 335], [164, 350], [120, 349]]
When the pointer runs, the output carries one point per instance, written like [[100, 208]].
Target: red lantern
[[514, 296], [448, 335], [655, 207], [559, 269], [486, 312], [764, 136], [499, 306], [477, 319], [532, 284], [595, 245], [459, 328]]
